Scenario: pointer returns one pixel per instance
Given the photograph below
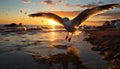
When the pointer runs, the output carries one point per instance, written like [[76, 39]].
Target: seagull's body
[[70, 28], [70, 25]]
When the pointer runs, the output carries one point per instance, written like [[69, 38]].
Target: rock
[[89, 39], [114, 67], [86, 39], [107, 43], [11, 25], [96, 48], [108, 55], [60, 46], [101, 52], [115, 64], [117, 56], [105, 48]]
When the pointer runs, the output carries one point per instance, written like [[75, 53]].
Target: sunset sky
[[17, 11]]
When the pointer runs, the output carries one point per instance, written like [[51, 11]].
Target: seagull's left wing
[[92, 12], [47, 15]]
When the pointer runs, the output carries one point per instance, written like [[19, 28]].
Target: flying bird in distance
[[72, 25]]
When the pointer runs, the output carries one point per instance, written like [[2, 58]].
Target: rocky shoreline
[[107, 43]]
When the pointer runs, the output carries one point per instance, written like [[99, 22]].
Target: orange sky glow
[[17, 11], [45, 21]]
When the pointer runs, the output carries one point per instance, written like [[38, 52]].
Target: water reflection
[[52, 36], [50, 49], [69, 59]]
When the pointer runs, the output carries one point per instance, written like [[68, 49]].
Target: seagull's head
[[66, 19]]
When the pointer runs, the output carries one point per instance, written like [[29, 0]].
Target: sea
[[46, 49]]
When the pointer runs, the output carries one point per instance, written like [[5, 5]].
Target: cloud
[[48, 2], [69, 5], [85, 6], [51, 3], [26, 1], [93, 4], [100, 2], [112, 15], [113, 1]]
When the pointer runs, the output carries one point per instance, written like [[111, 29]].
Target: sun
[[53, 22]]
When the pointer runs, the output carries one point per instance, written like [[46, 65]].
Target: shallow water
[[17, 50]]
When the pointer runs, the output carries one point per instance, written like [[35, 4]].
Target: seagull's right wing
[[48, 15], [92, 12]]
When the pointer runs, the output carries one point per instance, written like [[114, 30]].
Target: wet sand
[[107, 44]]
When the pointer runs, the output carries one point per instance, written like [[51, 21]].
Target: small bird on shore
[[72, 25]]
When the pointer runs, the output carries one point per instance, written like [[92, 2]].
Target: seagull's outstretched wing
[[91, 12], [47, 15]]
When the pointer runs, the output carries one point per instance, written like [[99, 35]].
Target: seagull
[[72, 25]]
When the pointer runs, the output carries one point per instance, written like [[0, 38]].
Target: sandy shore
[[107, 43]]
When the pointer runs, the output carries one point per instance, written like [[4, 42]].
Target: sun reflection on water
[[53, 33], [52, 36]]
